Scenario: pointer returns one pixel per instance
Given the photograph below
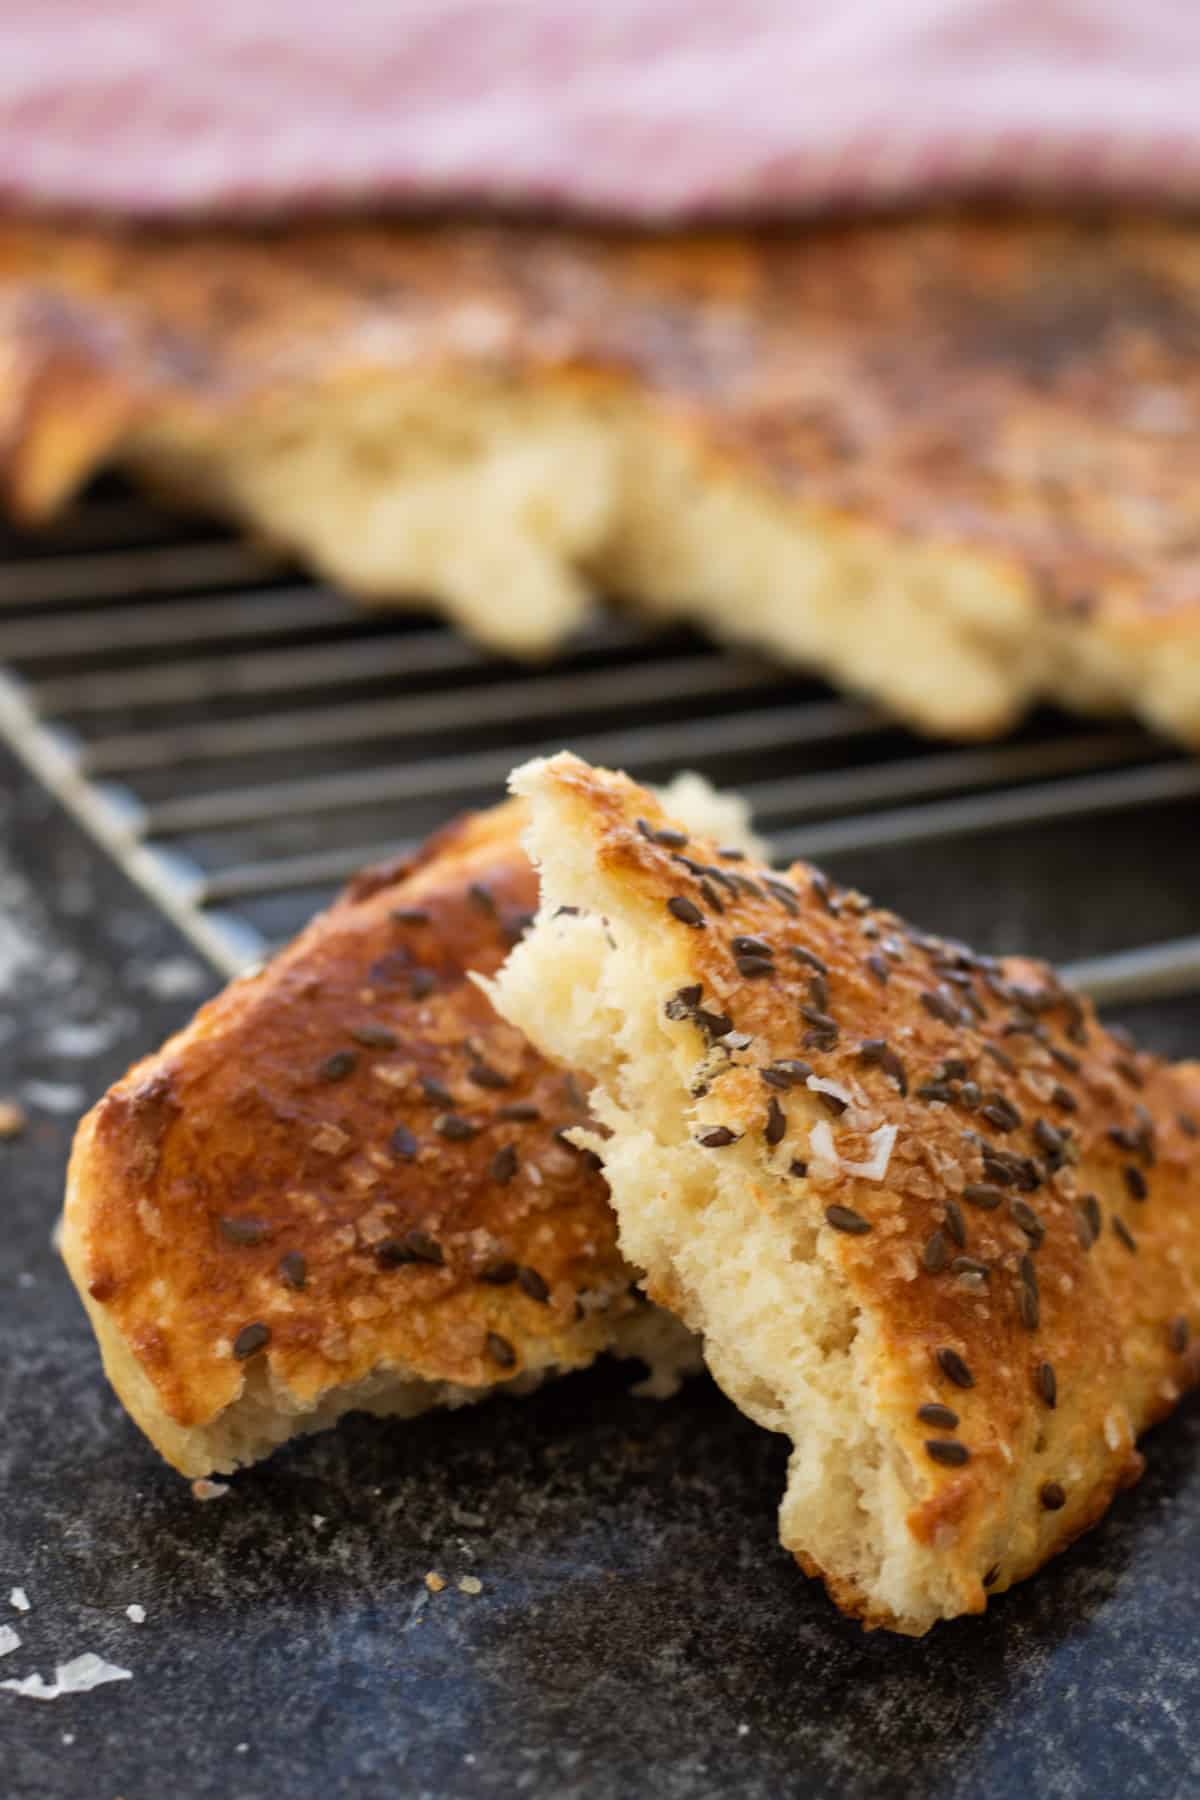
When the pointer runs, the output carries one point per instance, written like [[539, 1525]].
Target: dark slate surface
[[639, 1631]]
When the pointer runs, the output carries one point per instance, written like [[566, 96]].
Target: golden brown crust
[[1060, 1161], [291, 1161], [1024, 388]]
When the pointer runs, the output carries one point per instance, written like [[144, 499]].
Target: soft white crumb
[[318, 1520], [241, 1749], [68, 1737], [20, 1599], [470, 1584], [136, 1614], [743, 1731], [204, 1489]]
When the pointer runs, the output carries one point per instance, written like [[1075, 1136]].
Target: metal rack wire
[[242, 740]]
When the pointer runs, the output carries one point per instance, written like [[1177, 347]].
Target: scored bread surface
[[950, 461], [344, 1184], [932, 1220]]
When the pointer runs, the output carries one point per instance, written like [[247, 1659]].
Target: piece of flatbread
[[932, 1220], [950, 462], [344, 1184]]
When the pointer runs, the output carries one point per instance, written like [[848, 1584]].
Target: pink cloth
[[646, 109]]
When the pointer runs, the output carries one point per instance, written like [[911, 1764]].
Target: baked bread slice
[[343, 1185], [950, 462], [932, 1220]]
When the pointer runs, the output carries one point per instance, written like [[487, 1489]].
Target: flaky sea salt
[[78, 1676], [10, 1640], [136, 1614], [20, 1599]]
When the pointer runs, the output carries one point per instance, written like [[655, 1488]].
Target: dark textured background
[[639, 1631]]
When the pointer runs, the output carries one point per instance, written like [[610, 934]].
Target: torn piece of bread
[[933, 1221], [949, 462], [344, 1185]]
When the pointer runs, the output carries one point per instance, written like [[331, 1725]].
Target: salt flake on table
[[78, 1676]]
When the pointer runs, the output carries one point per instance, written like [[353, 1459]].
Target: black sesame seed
[[750, 946], [338, 1066], [938, 1003], [992, 1576], [878, 968], [1179, 1334], [1123, 1232], [1122, 1137], [711, 896], [969, 1265], [891, 1065], [1187, 1125], [421, 983], [250, 1339], [776, 1125], [455, 1127], [1028, 1220], [798, 1168], [953, 1069], [670, 839], [293, 1270], [1029, 1307], [1064, 1059], [1064, 1099], [713, 1025], [485, 1076], [436, 1092], [818, 993], [996, 1170], [820, 1021], [948, 1451], [646, 829], [956, 1225], [1028, 1271], [1090, 1213], [744, 885], [954, 1368], [504, 1164], [717, 1137], [777, 1078], [821, 888], [413, 1247], [935, 1254], [500, 1350], [404, 1144], [983, 1194], [786, 896], [1128, 1073], [410, 915], [684, 1001], [942, 1418], [500, 1274], [374, 1037], [1048, 1139], [1000, 1113], [936, 1090], [686, 911], [1135, 1181], [1052, 1496], [872, 1050], [244, 1231], [481, 897], [1000, 1056], [520, 1112], [844, 1218], [794, 1066], [1046, 1382], [533, 1284], [752, 966], [969, 1095]]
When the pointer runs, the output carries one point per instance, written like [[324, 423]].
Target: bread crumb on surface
[[13, 1119], [19, 1598], [203, 1489], [10, 1640], [435, 1582], [136, 1614], [470, 1584]]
